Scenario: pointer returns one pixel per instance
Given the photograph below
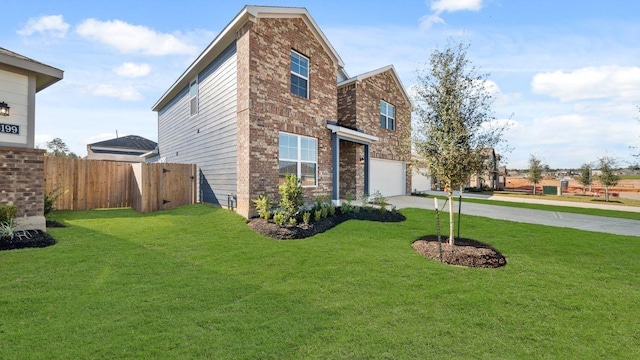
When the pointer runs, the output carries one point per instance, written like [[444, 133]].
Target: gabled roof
[[361, 77], [127, 142], [45, 75], [228, 36]]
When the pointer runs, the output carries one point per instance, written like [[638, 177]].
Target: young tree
[[57, 148], [535, 171], [454, 122], [607, 177], [585, 177]]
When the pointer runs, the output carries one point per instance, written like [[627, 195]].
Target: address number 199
[[9, 129]]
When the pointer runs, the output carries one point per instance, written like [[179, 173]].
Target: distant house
[[130, 148], [494, 175], [270, 96], [21, 165]]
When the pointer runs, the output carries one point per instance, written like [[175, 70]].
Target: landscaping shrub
[[7, 213], [290, 195], [263, 206], [51, 198]]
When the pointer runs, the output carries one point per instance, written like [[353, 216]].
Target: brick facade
[[267, 107], [359, 107], [22, 184]]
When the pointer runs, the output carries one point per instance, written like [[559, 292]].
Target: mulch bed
[[465, 252], [30, 238], [300, 231]]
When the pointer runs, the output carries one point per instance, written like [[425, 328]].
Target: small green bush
[[290, 195], [324, 212], [380, 200], [280, 217], [51, 198], [306, 217], [293, 221], [7, 213], [332, 210], [263, 206], [317, 215], [8, 229]]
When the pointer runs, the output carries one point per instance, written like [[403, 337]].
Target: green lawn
[[195, 282]]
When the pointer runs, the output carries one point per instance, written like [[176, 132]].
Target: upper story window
[[193, 97], [298, 155], [299, 74], [387, 115]]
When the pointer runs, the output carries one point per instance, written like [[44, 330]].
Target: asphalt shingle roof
[[128, 142]]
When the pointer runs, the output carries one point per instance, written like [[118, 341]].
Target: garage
[[387, 177]]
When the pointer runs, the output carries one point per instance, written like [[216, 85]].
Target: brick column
[[22, 184]]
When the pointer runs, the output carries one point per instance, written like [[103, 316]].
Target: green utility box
[[550, 190]]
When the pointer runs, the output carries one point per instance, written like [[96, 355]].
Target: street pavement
[[542, 217]]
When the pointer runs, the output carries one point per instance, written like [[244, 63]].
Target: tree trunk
[[451, 219], [584, 190], [534, 189], [606, 193]]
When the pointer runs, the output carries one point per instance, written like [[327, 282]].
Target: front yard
[[196, 282]]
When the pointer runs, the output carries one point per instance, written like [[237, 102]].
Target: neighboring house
[[270, 96], [21, 165], [130, 148], [494, 175]]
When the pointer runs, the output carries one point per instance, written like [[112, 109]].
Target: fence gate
[[162, 186]]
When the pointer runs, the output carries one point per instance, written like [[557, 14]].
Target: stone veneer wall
[[266, 105], [22, 184]]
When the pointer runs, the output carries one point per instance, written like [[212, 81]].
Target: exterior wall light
[[4, 109]]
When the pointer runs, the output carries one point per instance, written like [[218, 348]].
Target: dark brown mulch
[[31, 239], [465, 252], [300, 231]]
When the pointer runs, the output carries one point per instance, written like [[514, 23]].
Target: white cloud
[[441, 6], [603, 82], [133, 70], [53, 25], [127, 93], [128, 38]]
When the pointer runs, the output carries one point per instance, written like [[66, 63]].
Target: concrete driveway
[[548, 218]]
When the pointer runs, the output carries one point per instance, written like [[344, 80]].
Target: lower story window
[[298, 155]]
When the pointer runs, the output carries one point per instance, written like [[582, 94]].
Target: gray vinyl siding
[[208, 139]]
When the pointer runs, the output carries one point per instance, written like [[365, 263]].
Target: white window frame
[[386, 115], [299, 160], [300, 75], [194, 84]]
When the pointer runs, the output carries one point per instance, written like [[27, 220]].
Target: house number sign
[[10, 129]]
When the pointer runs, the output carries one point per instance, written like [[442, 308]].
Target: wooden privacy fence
[[99, 184]]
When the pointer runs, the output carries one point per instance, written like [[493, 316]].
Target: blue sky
[[565, 74]]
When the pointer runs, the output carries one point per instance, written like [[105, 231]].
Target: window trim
[[387, 117], [293, 73], [193, 83], [299, 160]]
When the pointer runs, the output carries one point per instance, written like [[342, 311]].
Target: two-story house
[[269, 96]]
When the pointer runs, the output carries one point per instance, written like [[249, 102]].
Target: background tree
[[454, 122], [585, 177], [57, 148], [607, 178], [535, 171]]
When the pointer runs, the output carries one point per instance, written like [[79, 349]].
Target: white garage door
[[387, 176]]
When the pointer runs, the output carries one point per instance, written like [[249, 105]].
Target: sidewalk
[[542, 217]]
